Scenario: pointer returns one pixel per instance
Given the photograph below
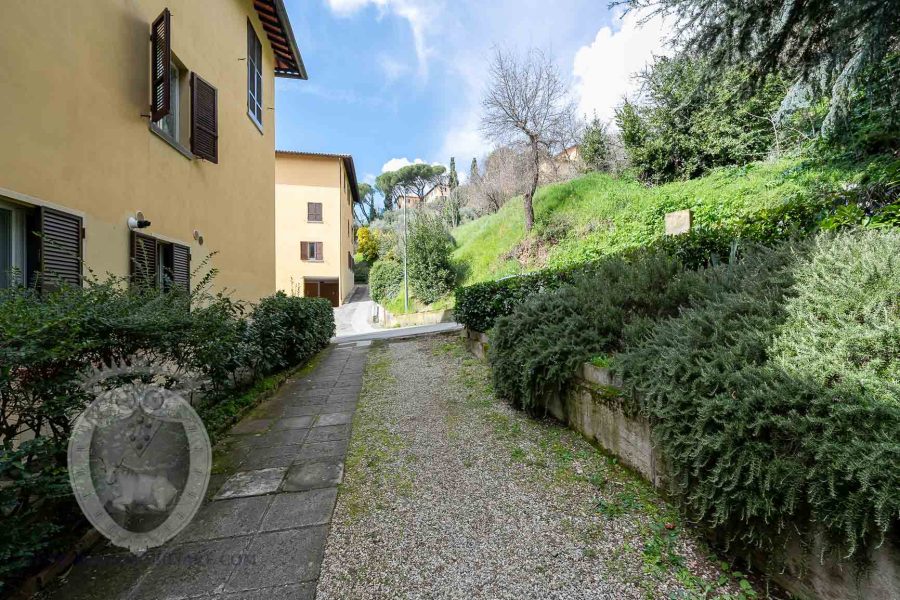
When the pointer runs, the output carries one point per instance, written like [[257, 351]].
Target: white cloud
[[399, 163], [420, 14], [604, 70], [369, 178]]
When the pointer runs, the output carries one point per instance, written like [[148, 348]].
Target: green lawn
[[594, 215]]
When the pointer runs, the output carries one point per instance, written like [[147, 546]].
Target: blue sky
[[392, 81]]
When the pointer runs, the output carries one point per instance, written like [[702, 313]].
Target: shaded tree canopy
[[366, 210], [418, 179], [828, 45]]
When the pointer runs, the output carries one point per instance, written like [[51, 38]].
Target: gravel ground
[[449, 493]]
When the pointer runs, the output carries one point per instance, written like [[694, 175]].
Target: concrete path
[[352, 321], [400, 332], [353, 317], [263, 533]]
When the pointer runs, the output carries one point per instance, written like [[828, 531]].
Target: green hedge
[[47, 341], [772, 382], [385, 279]]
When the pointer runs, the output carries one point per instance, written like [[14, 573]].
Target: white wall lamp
[[138, 222]]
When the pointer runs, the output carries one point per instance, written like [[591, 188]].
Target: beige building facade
[[139, 137], [314, 196]]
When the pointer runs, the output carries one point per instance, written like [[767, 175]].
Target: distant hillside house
[[441, 190], [314, 196], [138, 138]]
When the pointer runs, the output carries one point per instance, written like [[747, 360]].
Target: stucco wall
[[75, 81], [301, 179]]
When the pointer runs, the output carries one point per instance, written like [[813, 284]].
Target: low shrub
[[766, 403], [48, 340], [286, 330], [385, 280]]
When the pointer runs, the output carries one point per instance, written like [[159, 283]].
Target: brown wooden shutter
[[319, 255], [161, 55], [181, 266], [60, 248], [143, 260], [204, 119], [304, 250]]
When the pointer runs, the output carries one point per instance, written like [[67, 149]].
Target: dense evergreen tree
[[829, 46], [453, 178], [678, 129]]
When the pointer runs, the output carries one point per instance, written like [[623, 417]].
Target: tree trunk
[[529, 195]]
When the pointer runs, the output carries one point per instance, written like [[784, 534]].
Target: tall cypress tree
[[453, 178], [473, 171]]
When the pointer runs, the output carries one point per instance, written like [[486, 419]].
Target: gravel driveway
[[449, 493]]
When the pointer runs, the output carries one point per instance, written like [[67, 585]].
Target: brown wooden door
[[322, 289], [329, 290]]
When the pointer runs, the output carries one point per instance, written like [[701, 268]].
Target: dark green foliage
[[870, 123], [595, 146], [286, 330], [765, 402], [772, 382], [453, 178], [361, 272], [47, 341], [830, 46], [478, 306], [385, 279], [534, 351], [679, 130], [431, 274]]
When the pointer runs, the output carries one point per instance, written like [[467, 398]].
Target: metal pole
[[405, 259]]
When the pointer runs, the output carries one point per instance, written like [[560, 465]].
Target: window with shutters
[[39, 246], [169, 125], [158, 263], [204, 119], [254, 77], [311, 251], [13, 262], [314, 212]]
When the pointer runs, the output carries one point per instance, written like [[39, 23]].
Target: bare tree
[[507, 173], [527, 103]]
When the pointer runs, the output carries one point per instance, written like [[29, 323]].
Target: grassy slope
[[597, 214]]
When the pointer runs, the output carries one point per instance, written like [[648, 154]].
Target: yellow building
[[314, 195], [117, 113]]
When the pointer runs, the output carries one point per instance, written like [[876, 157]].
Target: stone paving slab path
[[262, 534]]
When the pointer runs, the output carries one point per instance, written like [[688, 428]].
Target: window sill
[[316, 222], [171, 141], [253, 120], [313, 260]]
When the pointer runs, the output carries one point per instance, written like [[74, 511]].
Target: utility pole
[[405, 259]]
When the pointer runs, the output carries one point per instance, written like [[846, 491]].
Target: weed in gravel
[[375, 458]]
